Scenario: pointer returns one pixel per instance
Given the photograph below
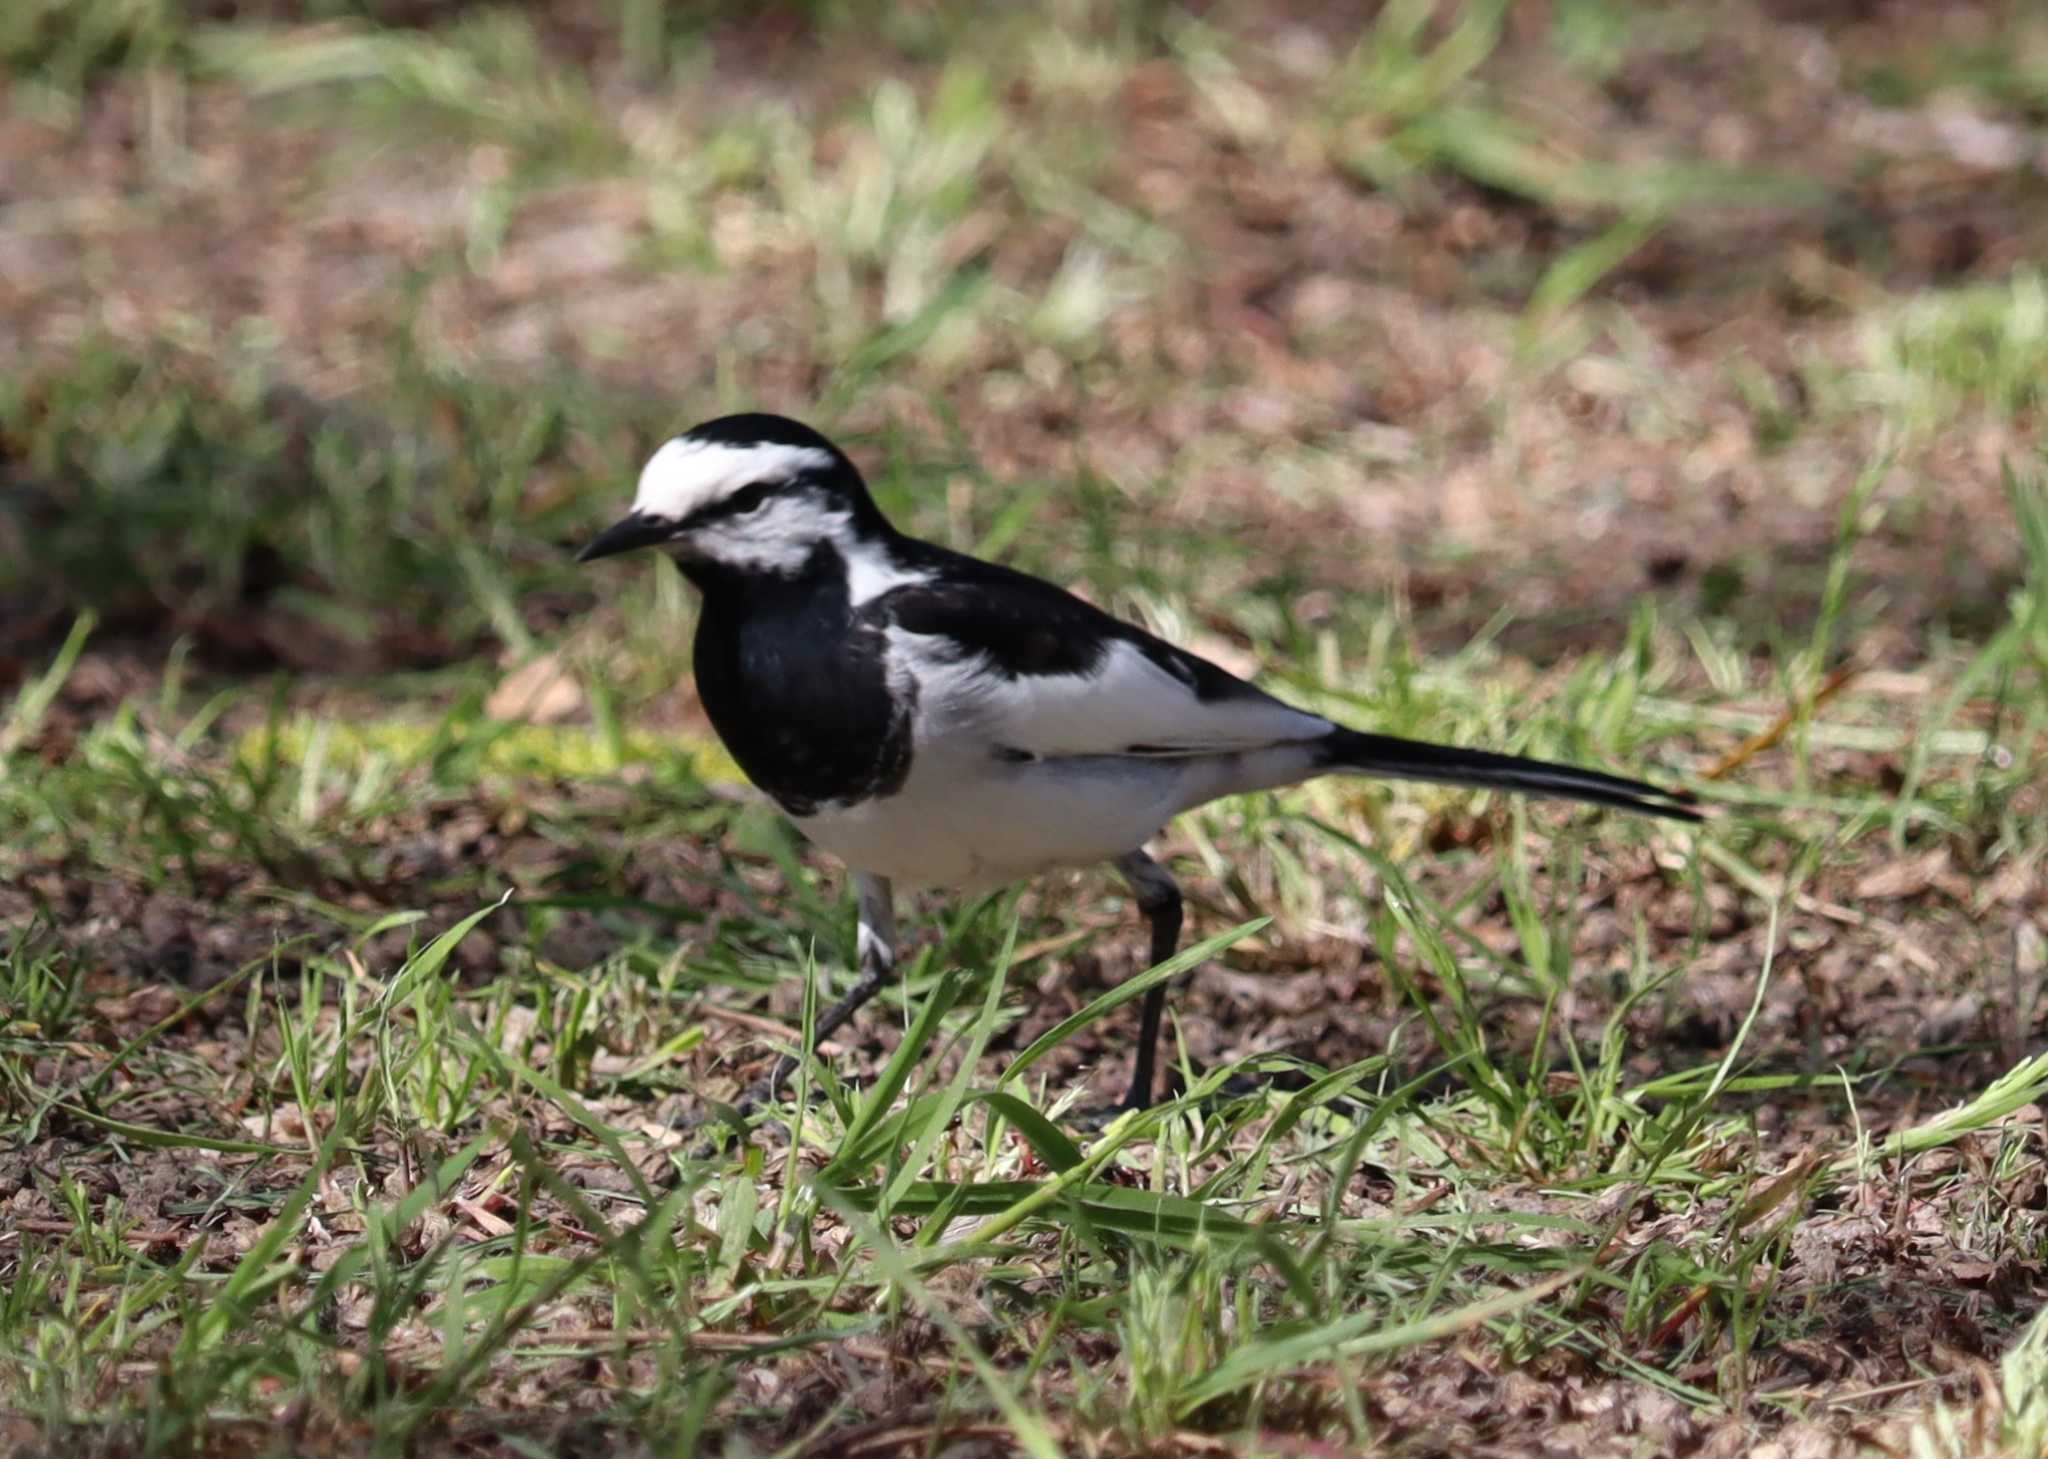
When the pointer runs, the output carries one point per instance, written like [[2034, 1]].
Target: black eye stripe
[[747, 498], [741, 502]]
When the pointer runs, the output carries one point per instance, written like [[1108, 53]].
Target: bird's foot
[[1094, 1118], [739, 1115]]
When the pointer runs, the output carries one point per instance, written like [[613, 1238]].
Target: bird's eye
[[748, 499]]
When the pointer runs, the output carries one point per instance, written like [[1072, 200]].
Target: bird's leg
[[1159, 899], [876, 957]]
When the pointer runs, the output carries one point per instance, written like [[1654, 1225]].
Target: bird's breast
[[802, 701]]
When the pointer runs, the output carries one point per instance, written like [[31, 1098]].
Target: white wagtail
[[936, 720]]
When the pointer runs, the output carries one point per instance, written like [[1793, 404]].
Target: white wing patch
[[1128, 705], [686, 474]]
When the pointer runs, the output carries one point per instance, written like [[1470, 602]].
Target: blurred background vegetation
[[330, 326]]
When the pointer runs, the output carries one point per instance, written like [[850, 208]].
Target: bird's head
[[745, 495]]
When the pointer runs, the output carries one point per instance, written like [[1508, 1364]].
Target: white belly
[[976, 823]]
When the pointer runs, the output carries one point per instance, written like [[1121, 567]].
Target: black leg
[[877, 955], [1159, 899], [872, 974]]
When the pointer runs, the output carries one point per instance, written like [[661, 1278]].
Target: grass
[[374, 910]]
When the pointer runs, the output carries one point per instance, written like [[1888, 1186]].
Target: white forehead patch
[[686, 474]]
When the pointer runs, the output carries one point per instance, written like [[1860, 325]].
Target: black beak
[[633, 530]]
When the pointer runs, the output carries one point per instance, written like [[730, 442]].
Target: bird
[[932, 719]]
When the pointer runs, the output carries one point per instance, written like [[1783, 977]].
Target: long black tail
[[1399, 759]]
